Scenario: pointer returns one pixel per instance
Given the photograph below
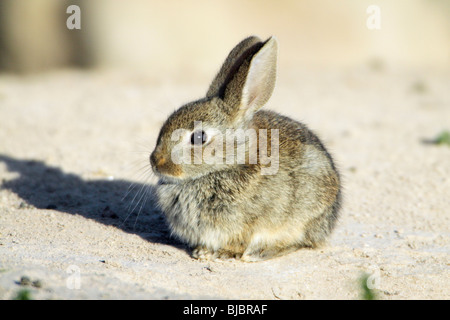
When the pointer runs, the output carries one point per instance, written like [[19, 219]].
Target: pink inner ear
[[252, 97], [260, 80]]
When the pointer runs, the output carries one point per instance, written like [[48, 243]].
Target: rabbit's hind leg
[[255, 254]]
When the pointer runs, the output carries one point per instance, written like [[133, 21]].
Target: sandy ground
[[76, 205]]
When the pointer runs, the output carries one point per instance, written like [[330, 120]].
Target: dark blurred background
[[196, 35]]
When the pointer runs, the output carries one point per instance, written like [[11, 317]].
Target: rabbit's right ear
[[236, 57], [247, 78]]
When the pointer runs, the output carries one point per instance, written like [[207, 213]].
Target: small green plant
[[443, 138], [366, 292], [23, 294]]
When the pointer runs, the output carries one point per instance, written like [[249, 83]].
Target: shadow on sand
[[115, 202]]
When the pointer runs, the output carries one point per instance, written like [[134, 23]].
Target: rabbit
[[231, 210]]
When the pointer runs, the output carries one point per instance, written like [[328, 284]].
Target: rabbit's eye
[[198, 137]]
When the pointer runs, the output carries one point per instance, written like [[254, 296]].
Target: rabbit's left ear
[[260, 80]]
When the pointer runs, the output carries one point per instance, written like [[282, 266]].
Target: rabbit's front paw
[[203, 253]]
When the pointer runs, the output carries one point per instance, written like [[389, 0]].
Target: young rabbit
[[238, 207]]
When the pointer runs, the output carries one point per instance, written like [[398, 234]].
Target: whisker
[[133, 184], [140, 196], [139, 191], [143, 200]]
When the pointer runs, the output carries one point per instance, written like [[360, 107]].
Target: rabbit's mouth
[[166, 176], [165, 169]]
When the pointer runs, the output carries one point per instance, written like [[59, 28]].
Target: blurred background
[[164, 37]]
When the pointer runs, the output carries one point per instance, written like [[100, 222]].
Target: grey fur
[[232, 210]]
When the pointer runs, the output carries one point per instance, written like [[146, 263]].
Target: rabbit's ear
[[252, 81], [235, 58], [260, 79]]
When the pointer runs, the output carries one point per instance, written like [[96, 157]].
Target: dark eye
[[198, 137]]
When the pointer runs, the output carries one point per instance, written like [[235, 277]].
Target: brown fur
[[233, 210]]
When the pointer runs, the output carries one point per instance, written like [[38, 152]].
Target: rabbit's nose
[[156, 160], [153, 159]]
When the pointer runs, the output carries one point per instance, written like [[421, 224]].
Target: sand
[[77, 210]]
